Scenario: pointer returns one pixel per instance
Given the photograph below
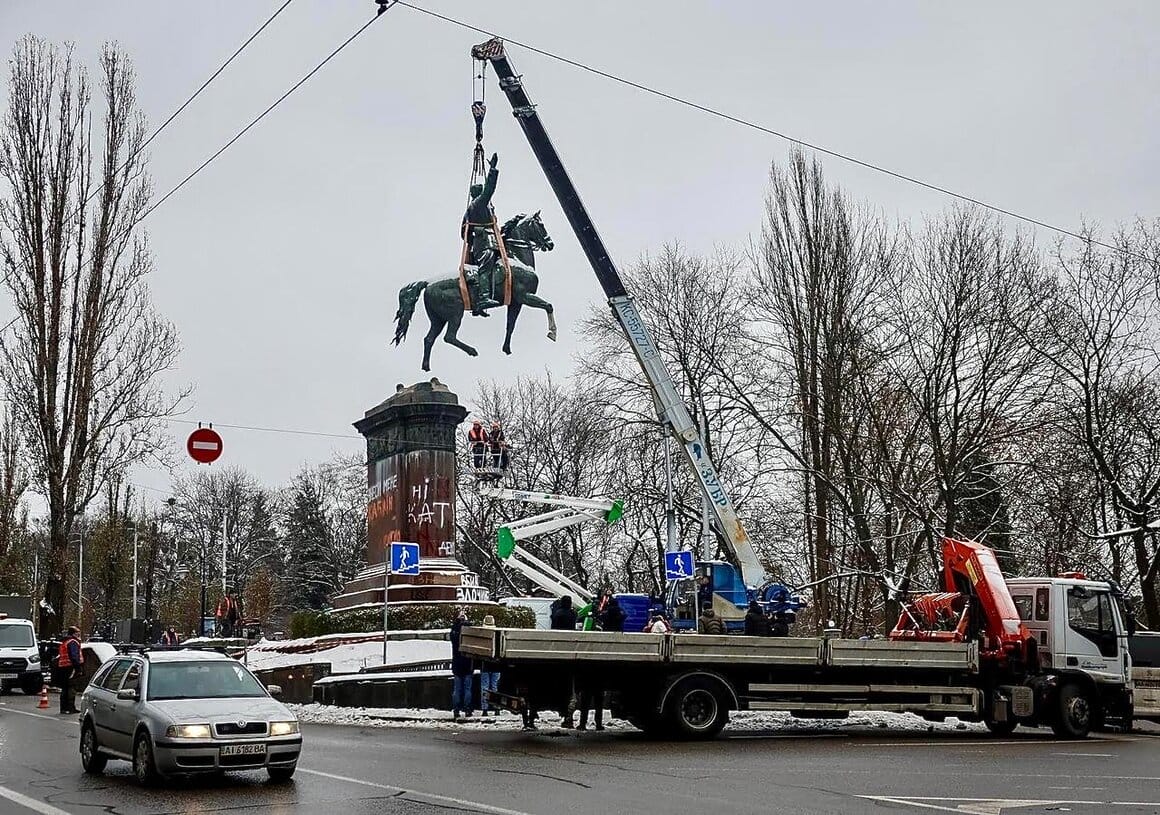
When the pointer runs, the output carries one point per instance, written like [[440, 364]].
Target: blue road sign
[[404, 558], [678, 565]]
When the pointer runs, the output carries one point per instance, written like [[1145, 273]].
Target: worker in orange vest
[[68, 663], [227, 614], [477, 441]]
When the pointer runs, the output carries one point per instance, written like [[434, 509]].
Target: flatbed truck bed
[[652, 678]]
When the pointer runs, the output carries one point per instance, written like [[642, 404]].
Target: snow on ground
[[347, 657], [550, 723]]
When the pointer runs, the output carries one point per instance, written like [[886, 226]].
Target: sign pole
[[386, 586]]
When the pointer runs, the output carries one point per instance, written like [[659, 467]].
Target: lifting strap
[[464, 292]]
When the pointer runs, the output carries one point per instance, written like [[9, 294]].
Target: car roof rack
[[145, 650]]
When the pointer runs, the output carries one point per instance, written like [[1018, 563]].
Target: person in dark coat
[[563, 615], [461, 671], [756, 623], [613, 617], [710, 623], [780, 625]]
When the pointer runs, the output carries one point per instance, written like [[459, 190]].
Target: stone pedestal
[[411, 485]]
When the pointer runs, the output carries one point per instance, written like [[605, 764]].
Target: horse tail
[[408, 298]]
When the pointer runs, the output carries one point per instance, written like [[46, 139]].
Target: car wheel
[[32, 689], [91, 758], [144, 765], [281, 774], [1073, 715]]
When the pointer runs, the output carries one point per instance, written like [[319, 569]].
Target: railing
[[409, 667]]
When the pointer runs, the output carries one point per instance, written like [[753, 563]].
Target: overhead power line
[[188, 101], [264, 113], [772, 132]]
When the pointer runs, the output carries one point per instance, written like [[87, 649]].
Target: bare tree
[[83, 360], [818, 276], [975, 384], [13, 521]]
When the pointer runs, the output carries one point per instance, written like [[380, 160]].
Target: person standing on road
[[461, 671], [488, 676], [591, 698], [563, 618], [69, 662]]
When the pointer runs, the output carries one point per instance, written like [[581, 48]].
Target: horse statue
[[522, 236]]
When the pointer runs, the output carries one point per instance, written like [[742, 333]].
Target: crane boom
[[672, 411]]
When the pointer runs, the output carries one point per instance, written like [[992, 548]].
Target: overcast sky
[[281, 263]]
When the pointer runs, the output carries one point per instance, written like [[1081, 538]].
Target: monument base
[[439, 580]]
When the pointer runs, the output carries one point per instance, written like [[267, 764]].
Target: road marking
[[39, 716], [1086, 755], [30, 803], [953, 744], [419, 795], [990, 806]]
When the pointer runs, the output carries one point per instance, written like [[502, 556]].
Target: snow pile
[[550, 722]]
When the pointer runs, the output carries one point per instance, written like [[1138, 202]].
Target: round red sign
[[204, 445]]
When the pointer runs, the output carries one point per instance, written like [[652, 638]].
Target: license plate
[[243, 750], [8, 676]]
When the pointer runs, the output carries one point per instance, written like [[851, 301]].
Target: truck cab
[[719, 584], [1081, 629]]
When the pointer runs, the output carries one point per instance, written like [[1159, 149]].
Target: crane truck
[[742, 577], [1046, 651]]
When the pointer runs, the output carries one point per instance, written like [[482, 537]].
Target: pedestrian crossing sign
[[678, 565], [405, 558]]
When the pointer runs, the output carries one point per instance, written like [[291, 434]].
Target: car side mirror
[[274, 690], [128, 694]]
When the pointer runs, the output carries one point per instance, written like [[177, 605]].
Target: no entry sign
[[204, 445]]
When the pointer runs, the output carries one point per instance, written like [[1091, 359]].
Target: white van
[[19, 656]]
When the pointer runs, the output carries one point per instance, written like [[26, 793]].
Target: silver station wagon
[[175, 712]]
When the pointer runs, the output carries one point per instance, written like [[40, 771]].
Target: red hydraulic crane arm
[[977, 564]]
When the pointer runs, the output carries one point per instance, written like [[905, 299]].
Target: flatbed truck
[[686, 685]]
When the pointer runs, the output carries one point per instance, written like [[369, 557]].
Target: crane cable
[[720, 114], [385, 5]]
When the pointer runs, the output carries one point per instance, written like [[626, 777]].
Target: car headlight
[[188, 731], [283, 728], [34, 660]]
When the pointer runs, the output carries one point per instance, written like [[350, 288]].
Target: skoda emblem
[[241, 724]]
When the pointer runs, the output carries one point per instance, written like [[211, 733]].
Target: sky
[[280, 264]]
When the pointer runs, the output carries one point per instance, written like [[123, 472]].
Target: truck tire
[[696, 709], [1073, 712]]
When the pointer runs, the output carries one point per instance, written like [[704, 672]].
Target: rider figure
[[476, 229]]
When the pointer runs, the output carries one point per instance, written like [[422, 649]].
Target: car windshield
[[16, 636], [201, 680]]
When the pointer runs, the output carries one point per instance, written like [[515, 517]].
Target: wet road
[[351, 770]]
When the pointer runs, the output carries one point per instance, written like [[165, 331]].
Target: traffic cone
[[43, 703]]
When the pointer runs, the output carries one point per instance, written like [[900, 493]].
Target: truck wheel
[[1073, 715], [695, 709], [1003, 728]]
